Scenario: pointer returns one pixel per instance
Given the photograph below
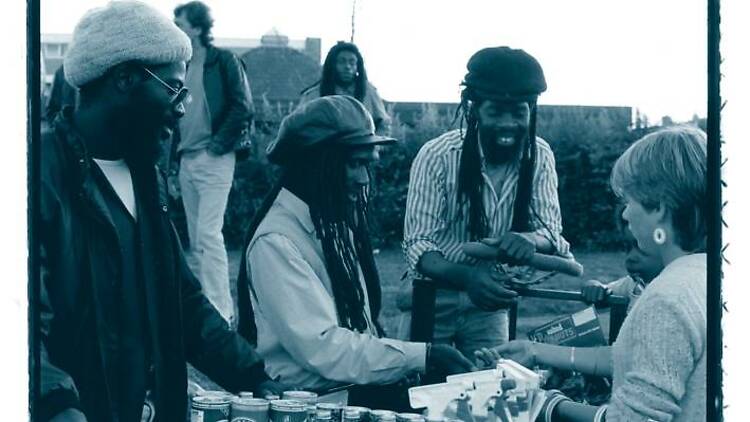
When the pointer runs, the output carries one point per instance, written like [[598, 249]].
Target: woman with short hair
[[658, 363]]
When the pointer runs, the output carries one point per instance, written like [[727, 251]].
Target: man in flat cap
[[119, 312], [495, 179], [309, 264]]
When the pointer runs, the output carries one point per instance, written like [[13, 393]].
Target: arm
[[379, 113], [425, 220], [210, 345], [239, 109], [299, 309], [665, 352], [570, 411], [58, 391], [546, 207], [595, 361], [425, 213]]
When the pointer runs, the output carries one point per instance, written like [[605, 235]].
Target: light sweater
[[659, 358]]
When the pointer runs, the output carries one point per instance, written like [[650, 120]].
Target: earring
[[660, 236]]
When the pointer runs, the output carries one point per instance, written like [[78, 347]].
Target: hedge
[[586, 143]]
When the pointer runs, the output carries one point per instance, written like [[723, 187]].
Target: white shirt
[[298, 333], [118, 175]]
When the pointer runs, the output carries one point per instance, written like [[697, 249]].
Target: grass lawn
[[603, 266]]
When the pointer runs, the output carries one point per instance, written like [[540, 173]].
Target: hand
[[521, 351], [594, 291], [449, 360], [173, 186], [513, 247], [69, 415], [270, 387], [486, 358], [485, 289], [215, 150]]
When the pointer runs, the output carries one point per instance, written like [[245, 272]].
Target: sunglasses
[[179, 96]]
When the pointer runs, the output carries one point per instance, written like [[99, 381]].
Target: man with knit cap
[[119, 312], [493, 179]]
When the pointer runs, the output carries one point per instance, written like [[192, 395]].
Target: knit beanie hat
[[119, 32], [504, 73]]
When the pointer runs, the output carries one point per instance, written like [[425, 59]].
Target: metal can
[[322, 415], [382, 415], [335, 409], [351, 414], [364, 412], [288, 411], [210, 409], [409, 417], [307, 397], [246, 409], [216, 393]]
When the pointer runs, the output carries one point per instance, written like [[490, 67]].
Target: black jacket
[[80, 257], [229, 100]]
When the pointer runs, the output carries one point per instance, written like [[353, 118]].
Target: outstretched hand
[[449, 360], [521, 351]]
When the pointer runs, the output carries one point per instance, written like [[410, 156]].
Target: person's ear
[[126, 76], [662, 213]]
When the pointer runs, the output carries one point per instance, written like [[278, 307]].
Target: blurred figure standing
[[215, 123], [344, 74]]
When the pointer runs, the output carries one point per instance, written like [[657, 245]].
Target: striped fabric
[[436, 222]]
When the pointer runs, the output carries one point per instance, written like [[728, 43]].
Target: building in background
[[279, 69], [306, 53], [278, 73]]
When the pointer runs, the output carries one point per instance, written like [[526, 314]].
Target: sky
[[639, 53]]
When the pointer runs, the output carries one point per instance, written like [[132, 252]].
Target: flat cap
[[504, 73], [335, 120], [120, 32]]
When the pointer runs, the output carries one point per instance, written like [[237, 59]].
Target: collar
[[297, 207], [212, 55]]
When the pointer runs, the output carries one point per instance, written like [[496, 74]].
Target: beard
[[145, 134], [502, 145]]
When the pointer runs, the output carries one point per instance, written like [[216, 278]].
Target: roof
[[279, 73]]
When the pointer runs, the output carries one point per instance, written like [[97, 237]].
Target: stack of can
[[288, 411], [409, 417], [382, 416], [295, 406], [364, 413], [335, 410], [209, 409], [249, 409]]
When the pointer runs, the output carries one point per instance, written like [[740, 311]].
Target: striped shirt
[[435, 219]]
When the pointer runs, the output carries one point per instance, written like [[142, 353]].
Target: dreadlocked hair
[[471, 182], [319, 180], [328, 80], [335, 224]]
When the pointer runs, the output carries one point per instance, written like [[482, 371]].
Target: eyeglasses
[[178, 95]]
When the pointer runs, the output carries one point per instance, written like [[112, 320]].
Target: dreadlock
[[470, 181], [319, 180], [328, 79]]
